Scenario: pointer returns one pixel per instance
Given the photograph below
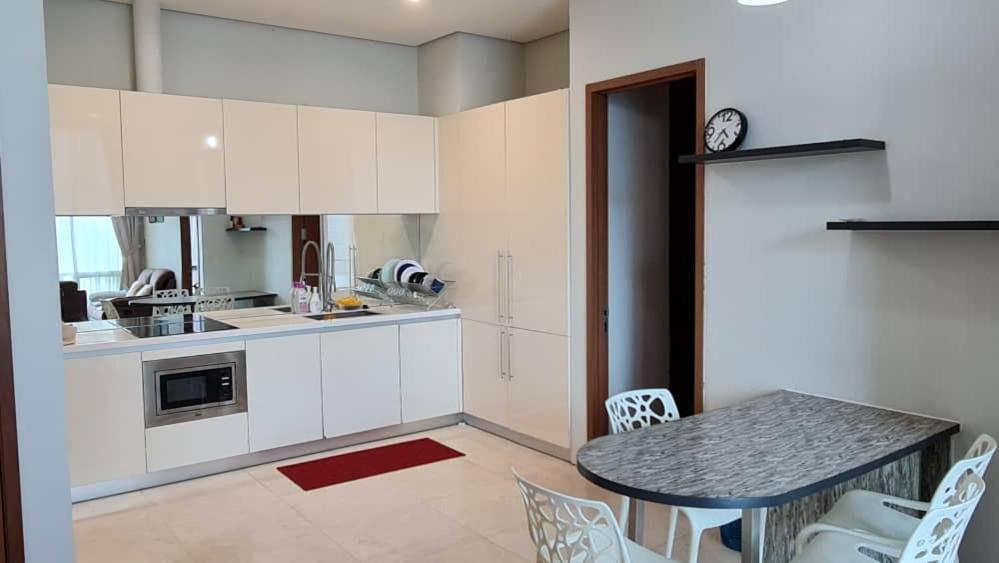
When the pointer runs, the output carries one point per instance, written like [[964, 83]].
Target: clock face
[[725, 130]]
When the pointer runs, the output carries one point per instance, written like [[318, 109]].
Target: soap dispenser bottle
[[315, 303]]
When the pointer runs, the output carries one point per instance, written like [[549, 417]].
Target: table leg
[[754, 527], [636, 521]]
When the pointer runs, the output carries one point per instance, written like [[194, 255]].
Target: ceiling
[[407, 22]]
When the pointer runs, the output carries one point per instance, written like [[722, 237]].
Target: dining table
[[782, 458]]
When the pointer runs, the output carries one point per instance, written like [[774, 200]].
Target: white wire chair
[[642, 408], [172, 293], [214, 303], [936, 538], [878, 515], [162, 310], [567, 529]]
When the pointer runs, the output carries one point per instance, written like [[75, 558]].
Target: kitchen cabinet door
[[483, 214], [284, 391], [484, 386], [261, 158], [336, 161], [440, 235], [360, 380], [173, 151], [104, 416], [431, 377], [86, 150], [537, 172], [539, 386], [407, 164], [197, 441]]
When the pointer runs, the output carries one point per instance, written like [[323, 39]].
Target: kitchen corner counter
[[98, 338]]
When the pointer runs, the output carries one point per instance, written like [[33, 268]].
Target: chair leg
[[622, 515], [695, 543], [674, 514]]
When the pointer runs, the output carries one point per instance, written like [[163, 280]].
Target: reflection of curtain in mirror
[[131, 240], [89, 253]]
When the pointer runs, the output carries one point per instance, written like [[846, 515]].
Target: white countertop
[[103, 337]]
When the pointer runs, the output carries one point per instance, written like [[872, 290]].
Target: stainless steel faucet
[[327, 272]]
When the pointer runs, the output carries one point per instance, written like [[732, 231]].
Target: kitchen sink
[[333, 315]]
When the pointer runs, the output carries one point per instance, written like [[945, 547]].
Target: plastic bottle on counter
[[302, 304], [315, 303]]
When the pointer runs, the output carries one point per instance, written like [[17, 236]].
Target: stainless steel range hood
[[172, 211]]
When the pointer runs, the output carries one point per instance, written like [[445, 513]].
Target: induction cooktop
[[169, 325]]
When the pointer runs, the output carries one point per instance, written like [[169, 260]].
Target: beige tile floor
[[460, 510]]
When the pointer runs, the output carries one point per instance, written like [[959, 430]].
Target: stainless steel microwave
[[194, 387]]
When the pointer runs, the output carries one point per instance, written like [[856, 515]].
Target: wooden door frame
[[597, 367], [11, 526]]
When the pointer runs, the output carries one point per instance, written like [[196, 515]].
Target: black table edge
[[763, 502]]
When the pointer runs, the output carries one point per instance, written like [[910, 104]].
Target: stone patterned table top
[[765, 452]]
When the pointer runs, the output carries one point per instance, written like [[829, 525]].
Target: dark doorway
[[644, 237], [303, 229]]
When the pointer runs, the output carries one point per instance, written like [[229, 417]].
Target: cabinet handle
[[509, 354], [502, 371], [509, 286], [499, 285]]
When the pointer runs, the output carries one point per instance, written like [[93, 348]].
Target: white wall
[[31, 274], [163, 245], [902, 320], [546, 64], [247, 261], [90, 43], [638, 239]]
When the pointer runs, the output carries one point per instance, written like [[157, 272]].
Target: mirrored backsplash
[[208, 252]]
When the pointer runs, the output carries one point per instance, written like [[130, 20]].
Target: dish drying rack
[[394, 293]]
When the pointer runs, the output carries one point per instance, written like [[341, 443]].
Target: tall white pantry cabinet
[[503, 233]]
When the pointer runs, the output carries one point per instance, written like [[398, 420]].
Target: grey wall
[[546, 64], [463, 71], [30, 252], [440, 76], [244, 261], [906, 320], [90, 43], [638, 246]]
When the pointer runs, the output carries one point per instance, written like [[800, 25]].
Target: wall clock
[[726, 130]]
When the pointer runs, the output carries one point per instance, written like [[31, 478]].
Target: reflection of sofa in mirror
[[157, 278]]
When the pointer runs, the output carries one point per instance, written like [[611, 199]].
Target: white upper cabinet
[[337, 163], [172, 149], [407, 164], [537, 180], [261, 158], [86, 150]]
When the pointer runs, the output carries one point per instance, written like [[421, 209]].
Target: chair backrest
[[171, 293], [110, 311], [214, 303], [571, 530], [632, 410], [975, 462], [940, 532], [171, 310]]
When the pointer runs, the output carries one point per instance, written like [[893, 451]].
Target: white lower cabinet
[[284, 391], [105, 419], [198, 441], [538, 390], [483, 351], [431, 380], [361, 389]]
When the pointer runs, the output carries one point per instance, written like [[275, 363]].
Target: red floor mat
[[342, 468]]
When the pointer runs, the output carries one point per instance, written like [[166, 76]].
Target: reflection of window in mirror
[[377, 239], [89, 253]]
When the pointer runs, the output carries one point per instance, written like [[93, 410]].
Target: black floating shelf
[[788, 151], [912, 226], [246, 230]]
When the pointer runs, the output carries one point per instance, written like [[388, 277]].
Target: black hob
[[169, 325]]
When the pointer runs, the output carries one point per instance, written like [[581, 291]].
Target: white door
[[337, 165], [173, 151], [284, 391], [440, 235], [105, 420], [483, 214], [537, 171], [86, 150], [483, 358], [360, 380], [539, 385], [261, 158], [431, 377], [407, 164]]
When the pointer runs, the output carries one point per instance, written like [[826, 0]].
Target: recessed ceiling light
[[760, 2]]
